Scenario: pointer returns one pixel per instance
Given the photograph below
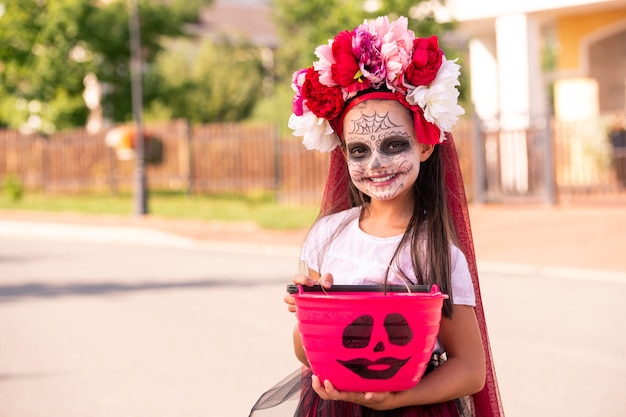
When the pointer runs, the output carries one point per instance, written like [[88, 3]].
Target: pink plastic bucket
[[362, 338]]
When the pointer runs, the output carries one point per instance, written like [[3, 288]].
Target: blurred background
[[152, 198], [543, 88]]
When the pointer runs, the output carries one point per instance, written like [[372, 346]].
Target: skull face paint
[[381, 149], [361, 334]]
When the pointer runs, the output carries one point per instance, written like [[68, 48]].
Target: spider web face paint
[[372, 124], [382, 153]]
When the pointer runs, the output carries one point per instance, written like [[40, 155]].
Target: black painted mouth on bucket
[[383, 368]]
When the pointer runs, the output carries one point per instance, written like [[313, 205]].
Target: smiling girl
[[393, 212]]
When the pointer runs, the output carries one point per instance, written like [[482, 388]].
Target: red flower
[[425, 62], [323, 101], [345, 71]]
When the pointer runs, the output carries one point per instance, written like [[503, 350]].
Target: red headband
[[425, 132]]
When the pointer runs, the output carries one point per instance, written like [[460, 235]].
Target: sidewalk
[[577, 237]]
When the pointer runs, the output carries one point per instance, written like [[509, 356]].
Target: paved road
[[119, 330], [164, 326]]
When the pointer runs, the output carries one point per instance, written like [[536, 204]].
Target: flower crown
[[376, 55]]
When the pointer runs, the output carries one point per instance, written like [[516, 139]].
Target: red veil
[[487, 401], [337, 197]]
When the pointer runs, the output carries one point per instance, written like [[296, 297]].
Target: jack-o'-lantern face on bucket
[[372, 338]]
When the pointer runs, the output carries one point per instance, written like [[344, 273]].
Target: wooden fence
[[216, 158], [553, 161], [242, 158]]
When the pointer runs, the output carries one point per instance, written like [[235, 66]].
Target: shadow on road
[[10, 293]]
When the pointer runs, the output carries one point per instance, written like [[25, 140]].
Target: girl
[[393, 211]]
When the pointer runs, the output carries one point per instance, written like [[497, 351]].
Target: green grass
[[257, 208]]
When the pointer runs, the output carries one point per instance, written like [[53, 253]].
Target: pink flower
[[346, 71], [377, 55], [425, 62], [366, 46], [397, 44], [297, 80], [326, 61]]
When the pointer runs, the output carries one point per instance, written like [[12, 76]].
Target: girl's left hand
[[373, 400], [326, 280]]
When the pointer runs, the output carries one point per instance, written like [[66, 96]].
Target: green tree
[[38, 75], [111, 40], [303, 25], [215, 81], [47, 47]]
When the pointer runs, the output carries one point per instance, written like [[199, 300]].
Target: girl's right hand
[[326, 280]]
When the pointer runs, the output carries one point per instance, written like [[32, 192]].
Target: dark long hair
[[431, 224], [430, 227], [430, 231]]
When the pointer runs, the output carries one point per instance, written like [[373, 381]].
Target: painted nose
[[380, 347], [376, 163]]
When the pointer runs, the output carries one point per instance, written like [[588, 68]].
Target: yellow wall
[[572, 29]]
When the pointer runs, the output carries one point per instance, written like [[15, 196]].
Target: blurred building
[[546, 69], [250, 20], [528, 59], [241, 20], [561, 57]]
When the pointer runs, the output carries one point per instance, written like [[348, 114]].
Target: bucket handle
[[299, 289]]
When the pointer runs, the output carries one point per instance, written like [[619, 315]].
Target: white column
[[521, 93], [484, 80], [538, 100], [512, 50]]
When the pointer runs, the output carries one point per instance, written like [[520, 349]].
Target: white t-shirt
[[356, 258]]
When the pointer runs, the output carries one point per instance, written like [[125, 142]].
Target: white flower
[[316, 131], [439, 99]]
